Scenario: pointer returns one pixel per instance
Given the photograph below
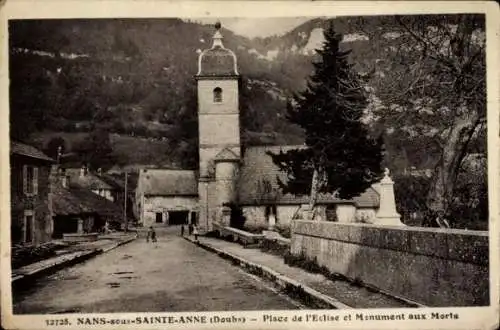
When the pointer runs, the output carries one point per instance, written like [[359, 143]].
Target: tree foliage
[[52, 149], [95, 150], [339, 156]]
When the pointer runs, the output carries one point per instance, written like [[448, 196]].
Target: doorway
[[159, 217], [194, 218], [29, 228], [178, 217]]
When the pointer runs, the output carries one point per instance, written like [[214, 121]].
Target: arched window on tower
[[217, 95]]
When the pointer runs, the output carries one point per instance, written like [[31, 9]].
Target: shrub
[[284, 231], [255, 229], [298, 293], [303, 261], [311, 265], [274, 247]]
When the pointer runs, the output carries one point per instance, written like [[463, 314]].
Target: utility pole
[[125, 204]]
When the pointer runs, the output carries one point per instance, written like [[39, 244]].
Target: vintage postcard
[[249, 165]]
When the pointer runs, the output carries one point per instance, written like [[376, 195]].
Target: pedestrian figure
[[190, 228], [153, 235], [182, 230], [195, 233]]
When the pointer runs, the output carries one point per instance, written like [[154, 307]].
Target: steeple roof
[[217, 61]]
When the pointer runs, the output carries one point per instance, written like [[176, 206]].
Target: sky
[[258, 27]]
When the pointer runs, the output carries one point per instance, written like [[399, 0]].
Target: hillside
[[134, 77]]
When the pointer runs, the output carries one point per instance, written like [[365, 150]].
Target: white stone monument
[[387, 214]]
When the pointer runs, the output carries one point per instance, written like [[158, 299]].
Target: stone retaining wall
[[434, 267]]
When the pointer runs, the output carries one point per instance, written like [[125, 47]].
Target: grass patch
[[274, 247], [284, 231], [312, 266]]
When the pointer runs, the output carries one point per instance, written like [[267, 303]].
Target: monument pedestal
[[387, 214]]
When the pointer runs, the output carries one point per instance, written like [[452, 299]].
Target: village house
[[166, 197], [79, 211], [231, 175], [31, 196], [86, 179]]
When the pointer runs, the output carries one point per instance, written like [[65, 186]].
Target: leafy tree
[[339, 156], [29, 106], [53, 146], [183, 137], [96, 150]]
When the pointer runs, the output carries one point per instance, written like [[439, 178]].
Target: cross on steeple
[[217, 36]]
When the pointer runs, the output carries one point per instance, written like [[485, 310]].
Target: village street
[[173, 275]]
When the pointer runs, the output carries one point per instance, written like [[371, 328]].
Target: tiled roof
[[258, 170], [118, 180], [89, 181], [22, 149], [74, 201], [165, 182]]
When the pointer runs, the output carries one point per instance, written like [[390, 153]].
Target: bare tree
[[431, 84]]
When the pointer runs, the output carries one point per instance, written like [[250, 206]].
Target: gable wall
[[162, 204]]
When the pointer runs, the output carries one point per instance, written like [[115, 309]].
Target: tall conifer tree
[[339, 156]]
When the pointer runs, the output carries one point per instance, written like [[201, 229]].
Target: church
[[229, 175]]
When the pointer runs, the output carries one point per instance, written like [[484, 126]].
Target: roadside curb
[[55, 266], [313, 297], [83, 256], [114, 246]]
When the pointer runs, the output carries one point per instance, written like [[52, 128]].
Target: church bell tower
[[219, 131]]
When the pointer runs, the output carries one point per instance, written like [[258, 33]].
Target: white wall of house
[[106, 193], [346, 213], [161, 204], [367, 215], [255, 216], [285, 214]]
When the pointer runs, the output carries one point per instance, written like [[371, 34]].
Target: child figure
[[151, 235], [195, 233]]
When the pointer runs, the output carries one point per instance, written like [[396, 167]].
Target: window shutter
[[25, 179], [35, 180]]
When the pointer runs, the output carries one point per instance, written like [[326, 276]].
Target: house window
[[30, 180], [217, 95], [159, 217], [28, 226], [331, 213]]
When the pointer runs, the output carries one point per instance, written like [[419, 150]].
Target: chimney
[[63, 179]]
